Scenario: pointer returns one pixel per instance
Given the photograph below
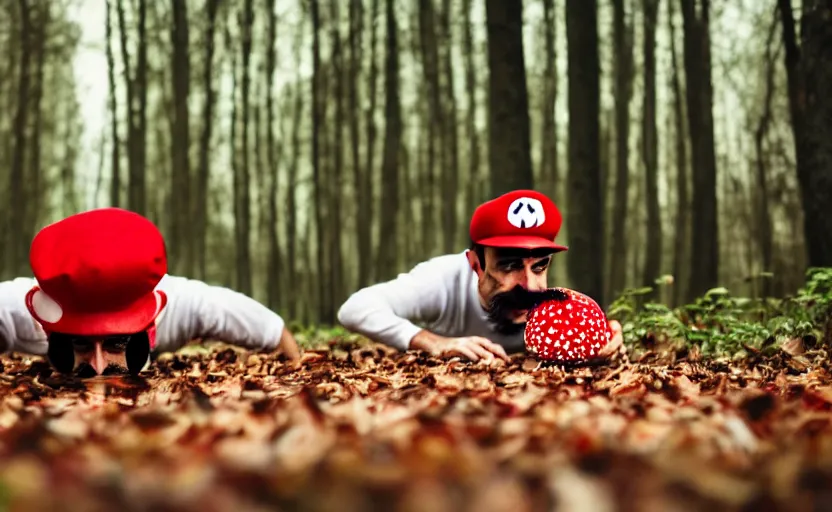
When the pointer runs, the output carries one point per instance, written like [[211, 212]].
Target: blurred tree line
[[296, 150]]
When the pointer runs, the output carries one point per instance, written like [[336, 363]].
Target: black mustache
[[521, 299], [86, 371]]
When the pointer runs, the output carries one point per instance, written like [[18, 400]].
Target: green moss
[[722, 325]]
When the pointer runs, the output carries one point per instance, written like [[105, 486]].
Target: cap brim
[[522, 242], [136, 317]]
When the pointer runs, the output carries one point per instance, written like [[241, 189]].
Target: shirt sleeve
[[212, 312], [19, 331], [389, 312]]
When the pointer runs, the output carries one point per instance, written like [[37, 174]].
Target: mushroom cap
[[571, 330]]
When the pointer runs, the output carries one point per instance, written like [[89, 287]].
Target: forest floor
[[360, 427]]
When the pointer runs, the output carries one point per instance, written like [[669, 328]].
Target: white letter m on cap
[[525, 212]]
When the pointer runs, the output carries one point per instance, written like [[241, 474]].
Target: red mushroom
[[571, 330]]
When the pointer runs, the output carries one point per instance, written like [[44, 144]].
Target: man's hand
[[471, 347], [616, 344], [289, 347]]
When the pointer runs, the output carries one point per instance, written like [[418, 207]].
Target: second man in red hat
[[470, 304]]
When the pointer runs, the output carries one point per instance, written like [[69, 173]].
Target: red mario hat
[[525, 219], [97, 272]]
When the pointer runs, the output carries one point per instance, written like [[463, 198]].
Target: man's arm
[[199, 310], [471, 347], [388, 312], [19, 331], [241, 320], [288, 345]]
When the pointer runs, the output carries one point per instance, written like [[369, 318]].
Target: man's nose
[[98, 364], [525, 277]]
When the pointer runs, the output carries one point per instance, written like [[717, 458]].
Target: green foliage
[[721, 325], [311, 336], [718, 324]]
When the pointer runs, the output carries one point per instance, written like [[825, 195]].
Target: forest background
[[298, 150]]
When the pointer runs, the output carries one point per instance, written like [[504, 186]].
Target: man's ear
[[137, 353], [473, 261], [60, 354]]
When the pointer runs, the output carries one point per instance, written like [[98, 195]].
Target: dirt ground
[[364, 428]]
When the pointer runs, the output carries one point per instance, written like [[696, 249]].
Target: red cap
[[525, 219], [97, 272], [572, 330]]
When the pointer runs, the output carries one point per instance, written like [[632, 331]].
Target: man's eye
[[116, 345], [542, 265], [82, 346]]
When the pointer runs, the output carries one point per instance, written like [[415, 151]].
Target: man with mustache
[[102, 301], [472, 304]]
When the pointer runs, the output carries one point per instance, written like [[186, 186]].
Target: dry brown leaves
[[360, 428]]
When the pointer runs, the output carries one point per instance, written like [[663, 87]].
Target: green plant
[[312, 336], [721, 325]]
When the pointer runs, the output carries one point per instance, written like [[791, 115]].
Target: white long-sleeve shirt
[[439, 295], [194, 310]]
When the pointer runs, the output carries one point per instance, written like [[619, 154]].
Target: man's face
[[507, 273], [105, 356], [89, 356]]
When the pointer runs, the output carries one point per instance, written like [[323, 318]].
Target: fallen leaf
[[360, 426]]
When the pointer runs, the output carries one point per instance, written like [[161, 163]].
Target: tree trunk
[[424, 147], [608, 141], [337, 152], [356, 14], [762, 215], [180, 212], [136, 109], [242, 200], [160, 164], [388, 248], [17, 188], [262, 178], [680, 265], [130, 100], [317, 123], [274, 278], [307, 277], [509, 148], [292, 232], [99, 175], [704, 239], [548, 127], [435, 125], [408, 244], [450, 139], [585, 209], [204, 173], [34, 189], [115, 173], [623, 66], [160, 168], [807, 68], [8, 99], [233, 152], [367, 211], [138, 179], [475, 175], [650, 149]]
